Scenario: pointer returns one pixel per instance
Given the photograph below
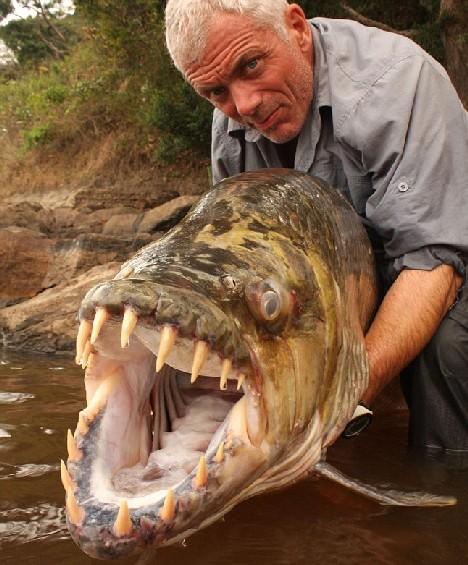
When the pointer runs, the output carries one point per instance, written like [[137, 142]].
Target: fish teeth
[[201, 477], [102, 393], [84, 332], [167, 512], [74, 454], [75, 512], [100, 318], [240, 380], [85, 355], [168, 338], [65, 476], [129, 322], [82, 426], [199, 358], [225, 370], [219, 457], [123, 524]]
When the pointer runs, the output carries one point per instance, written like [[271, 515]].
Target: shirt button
[[403, 186]]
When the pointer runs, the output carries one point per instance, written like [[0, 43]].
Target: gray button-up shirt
[[387, 129]]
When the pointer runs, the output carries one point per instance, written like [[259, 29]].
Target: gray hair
[[188, 23]]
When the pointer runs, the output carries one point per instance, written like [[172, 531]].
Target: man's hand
[[406, 321]]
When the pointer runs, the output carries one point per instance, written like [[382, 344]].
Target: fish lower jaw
[[153, 451]]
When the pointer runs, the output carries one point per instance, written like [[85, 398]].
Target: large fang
[[129, 322], [82, 426], [84, 331], [75, 513], [240, 381], [101, 395], [167, 512], [99, 319], [85, 355], [199, 357], [74, 454], [168, 337], [65, 476], [225, 370], [202, 474], [219, 453], [123, 525]]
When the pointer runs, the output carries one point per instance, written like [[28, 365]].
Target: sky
[[21, 12]]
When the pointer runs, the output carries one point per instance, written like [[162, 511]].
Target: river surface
[[313, 522]]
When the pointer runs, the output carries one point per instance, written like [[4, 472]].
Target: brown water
[[312, 522]]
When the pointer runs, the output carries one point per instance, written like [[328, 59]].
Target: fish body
[[222, 361]]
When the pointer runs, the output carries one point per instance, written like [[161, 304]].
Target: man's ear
[[298, 27]]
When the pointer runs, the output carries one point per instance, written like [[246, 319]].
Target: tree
[[439, 26], [38, 36], [454, 21], [6, 7]]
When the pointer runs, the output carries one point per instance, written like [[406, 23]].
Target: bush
[[38, 135]]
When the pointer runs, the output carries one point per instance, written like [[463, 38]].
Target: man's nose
[[245, 99]]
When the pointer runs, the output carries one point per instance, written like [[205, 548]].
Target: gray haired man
[[376, 117]]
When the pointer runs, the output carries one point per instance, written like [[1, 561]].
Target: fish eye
[[269, 302], [270, 305]]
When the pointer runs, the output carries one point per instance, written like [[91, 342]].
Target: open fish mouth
[[174, 418]]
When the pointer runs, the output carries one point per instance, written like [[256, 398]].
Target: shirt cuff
[[426, 259]]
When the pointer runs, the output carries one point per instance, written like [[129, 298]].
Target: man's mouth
[[268, 122]]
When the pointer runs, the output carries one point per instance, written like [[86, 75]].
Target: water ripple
[[26, 470], [23, 525], [11, 397], [35, 470]]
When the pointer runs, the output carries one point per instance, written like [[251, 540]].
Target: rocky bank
[[55, 245]]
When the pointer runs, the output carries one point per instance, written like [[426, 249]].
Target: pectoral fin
[[381, 495]]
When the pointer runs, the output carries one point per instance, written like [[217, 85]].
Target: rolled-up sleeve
[[412, 133]]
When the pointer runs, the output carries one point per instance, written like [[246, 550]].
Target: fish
[[221, 362]]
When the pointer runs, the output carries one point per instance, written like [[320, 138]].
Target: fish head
[[209, 369]]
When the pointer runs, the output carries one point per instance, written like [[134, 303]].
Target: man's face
[[255, 77]]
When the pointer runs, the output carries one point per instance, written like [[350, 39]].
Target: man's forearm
[[405, 322]]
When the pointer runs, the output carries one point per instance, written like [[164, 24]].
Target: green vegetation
[[104, 71]]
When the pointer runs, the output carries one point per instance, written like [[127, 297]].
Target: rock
[[32, 262], [105, 197], [75, 256], [27, 215], [47, 323], [46, 277], [121, 224], [95, 221], [26, 257], [65, 218], [166, 216]]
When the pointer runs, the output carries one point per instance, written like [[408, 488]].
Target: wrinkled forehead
[[227, 36]]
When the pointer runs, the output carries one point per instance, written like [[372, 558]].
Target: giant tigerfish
[[222, 361]]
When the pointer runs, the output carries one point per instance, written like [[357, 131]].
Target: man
[[376, 117]]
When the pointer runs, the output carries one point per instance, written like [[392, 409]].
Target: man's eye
[[252, 64], [217, 92]]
